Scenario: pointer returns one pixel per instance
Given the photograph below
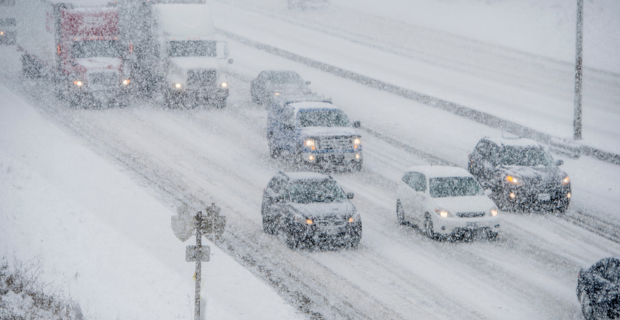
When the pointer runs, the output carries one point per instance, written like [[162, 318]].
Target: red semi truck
[[76, 45]]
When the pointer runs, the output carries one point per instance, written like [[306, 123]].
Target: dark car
[[314, 133], [598, 290], [521, 174], [273, 83], [310, 209]]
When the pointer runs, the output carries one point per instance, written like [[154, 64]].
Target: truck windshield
[[309, 191], [525, 157], [454, 187], [96, 48], [322, 118], [192, 48]]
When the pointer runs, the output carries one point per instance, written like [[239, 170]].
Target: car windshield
[[454, 187], [285, 78], [192, 48], [525, 157], [309, 191], [95, 48], [322, 118]]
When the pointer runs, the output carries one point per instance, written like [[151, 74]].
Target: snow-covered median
[[102, 238]]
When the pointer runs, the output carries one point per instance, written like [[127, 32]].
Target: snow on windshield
[[454, 187], [525, 157], [96, 48], [322, 118], [192, 48], [310, 191]]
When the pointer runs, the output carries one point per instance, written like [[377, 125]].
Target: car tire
[[400, 213], [268, 223], [429, 230], [586, 306], [291, 239]]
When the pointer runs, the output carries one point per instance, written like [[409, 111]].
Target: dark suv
[[521, 174], [310, 209]]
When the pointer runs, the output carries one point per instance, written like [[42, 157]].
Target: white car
[[445, 201]]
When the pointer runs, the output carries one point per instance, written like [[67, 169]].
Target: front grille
[[335, 143], [103, 79], [201, 78], [470, 214], [330, 222]]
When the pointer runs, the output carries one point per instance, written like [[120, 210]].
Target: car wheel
[[429, 230], [491, 235], [400, 213], [268, 223], [291, 239], [586, 306]]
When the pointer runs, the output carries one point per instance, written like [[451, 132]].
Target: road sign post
[[183, 226]]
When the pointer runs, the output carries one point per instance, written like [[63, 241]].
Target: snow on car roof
[[517, 142], [305, 175], [313, 105], [440, 171]]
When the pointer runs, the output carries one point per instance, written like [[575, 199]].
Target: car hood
[[464, 204], [186, 63], [328, 131], [324, 210], [532, 174], [288, 89], [99, 63]]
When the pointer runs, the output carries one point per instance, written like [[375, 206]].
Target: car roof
[[514, 142], [313, 105], [440, 171], [305, 176]]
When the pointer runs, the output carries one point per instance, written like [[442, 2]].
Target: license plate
[[544, 197], [331, 231], [472, 225]]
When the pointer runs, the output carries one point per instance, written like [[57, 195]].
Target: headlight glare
[[310, 143], [178, 86], [357, 142], [442, 212], [224, 85], [126, 82], [514, 180], [78, 83], [493, 211], [565, 181]]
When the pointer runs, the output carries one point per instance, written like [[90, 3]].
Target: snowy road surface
[[221, 156]]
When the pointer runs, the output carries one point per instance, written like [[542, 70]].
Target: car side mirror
[[559, 162], [357, 124], [230, 61], [308, 83], [350, 195]]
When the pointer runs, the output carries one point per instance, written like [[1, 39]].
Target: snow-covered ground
[[103, 238], [101, 185]]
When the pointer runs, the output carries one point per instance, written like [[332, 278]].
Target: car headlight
[[126, 82], [443, 212], [355, 217], [565, 181], [78, 83], [357, 142], [224, 85], [277, 93], [493, 211], [514, 180], [177, 86], [302, 219], [310, 143]]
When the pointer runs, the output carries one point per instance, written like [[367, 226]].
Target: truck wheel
[[586, 305]]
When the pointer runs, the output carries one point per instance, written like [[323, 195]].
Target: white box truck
[[177, 54]]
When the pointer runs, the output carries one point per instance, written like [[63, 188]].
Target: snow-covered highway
[[203, 156]]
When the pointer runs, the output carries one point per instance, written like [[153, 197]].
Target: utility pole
[[183, 226], [578, 72]]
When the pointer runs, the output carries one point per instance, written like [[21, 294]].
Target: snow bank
[[102, 238]]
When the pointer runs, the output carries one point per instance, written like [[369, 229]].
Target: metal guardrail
[[558, 145]]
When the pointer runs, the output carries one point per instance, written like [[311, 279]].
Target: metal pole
[[578, 72], [198, 263]]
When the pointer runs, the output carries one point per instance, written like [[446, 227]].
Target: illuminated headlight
[[276, 93], [302, 219], [1, 33], [514, 180], [178, 86], [224, 85], [565, 181], [355, 217], [126, 82], [310, 143], [78, 83], [311, 158], [357, 156], [568, 195], [512, 195], [309, 221], [443, 212], [356, 143], [493, 211]]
